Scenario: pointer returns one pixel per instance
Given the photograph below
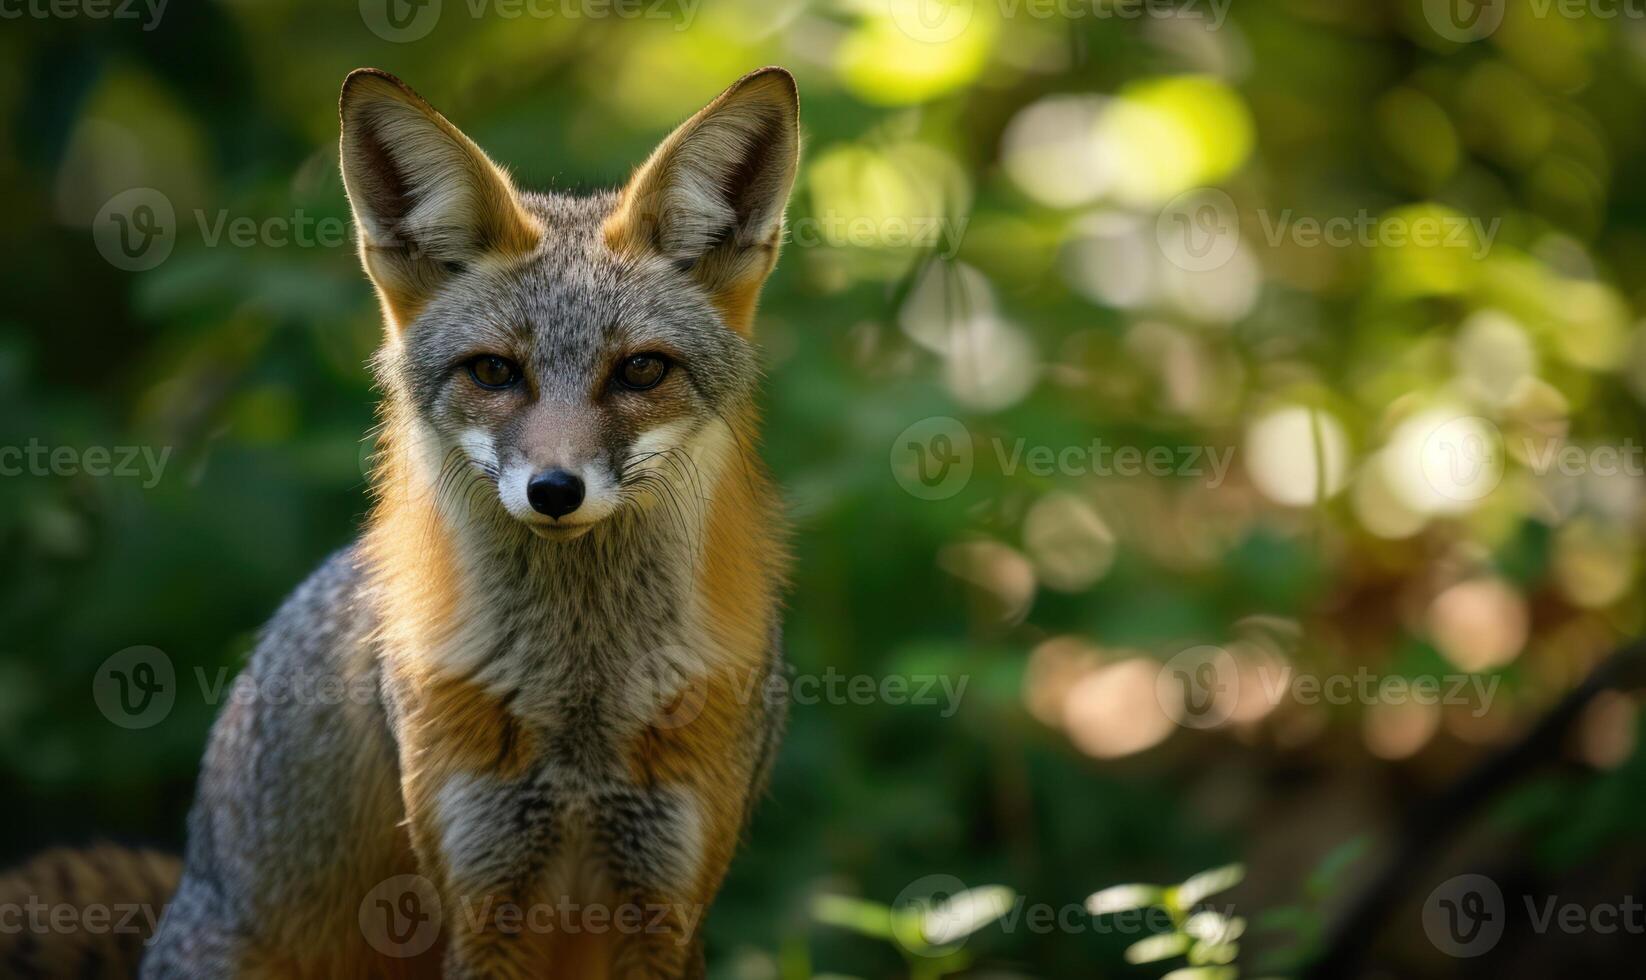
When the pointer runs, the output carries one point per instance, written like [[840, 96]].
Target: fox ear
[[426, 200], [711, 197]]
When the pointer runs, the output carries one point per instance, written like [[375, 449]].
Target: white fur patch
[[599, 494], [690, 834], [707, 451], [511, 489], [662, 437], [479, 445]]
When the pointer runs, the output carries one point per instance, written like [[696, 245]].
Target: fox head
[[568, 355]]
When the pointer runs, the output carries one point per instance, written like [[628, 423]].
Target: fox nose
[[555, 493]]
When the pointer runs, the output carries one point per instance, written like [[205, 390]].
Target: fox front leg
[[484, 821], [668, 846], [487, 841]]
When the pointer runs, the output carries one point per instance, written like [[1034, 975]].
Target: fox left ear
[[711, 197], [426, 200]]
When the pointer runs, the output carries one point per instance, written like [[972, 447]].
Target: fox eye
[[491, 371], [642, 371]]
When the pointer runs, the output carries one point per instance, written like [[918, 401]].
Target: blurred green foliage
[[983, 231]]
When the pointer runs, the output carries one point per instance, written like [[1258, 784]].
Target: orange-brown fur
[[98, 886], [401, 279]]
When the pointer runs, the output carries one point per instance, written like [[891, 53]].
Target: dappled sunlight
[[1480, 624], [1052, 151], [908, 51], [1210, 431], [1297, 456], [1071, 546], [1111, 711], [1161, 137], [1000, 580], [1398, 731]]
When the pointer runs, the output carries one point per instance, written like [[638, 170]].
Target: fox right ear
[[426, 199], [710, 198]]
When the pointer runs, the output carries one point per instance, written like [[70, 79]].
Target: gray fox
[[541, 749]]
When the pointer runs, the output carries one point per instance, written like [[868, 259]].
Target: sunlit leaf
[[1215, 927], [855, 914], [1336, 861], [1123, 898], [1203, 973], [965, 913], [1203, 954], [1207, 883], [1156, 948]]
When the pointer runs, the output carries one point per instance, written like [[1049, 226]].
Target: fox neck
[[464, 590]]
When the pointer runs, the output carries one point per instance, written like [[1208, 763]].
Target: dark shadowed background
[[1211, 429]]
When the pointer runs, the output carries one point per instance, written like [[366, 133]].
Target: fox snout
[[557, 466], [557, 498]]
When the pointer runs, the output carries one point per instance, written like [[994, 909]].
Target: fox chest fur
[[580, 726], [567, 592]]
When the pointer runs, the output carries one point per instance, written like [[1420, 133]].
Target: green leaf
[[1157, 948], [1332, 866], [1123, 898], [1215, 927], [1206, 883], [965, 913], [855, 914], [1204, 953], [1204, 973]]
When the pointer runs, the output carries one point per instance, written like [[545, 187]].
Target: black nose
[[555, 493]]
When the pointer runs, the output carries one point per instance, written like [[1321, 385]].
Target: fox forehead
[[572, 305]]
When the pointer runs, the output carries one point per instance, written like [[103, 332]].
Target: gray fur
[[301, 806]]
